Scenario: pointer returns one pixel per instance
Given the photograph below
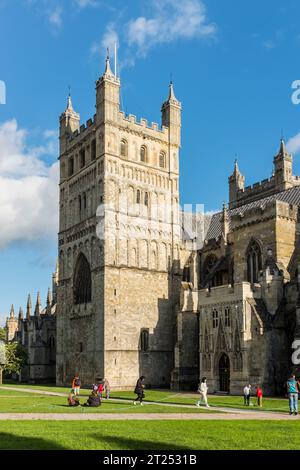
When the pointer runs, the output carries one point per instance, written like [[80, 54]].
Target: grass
[[166, 396], [147, 435], [51, 404]]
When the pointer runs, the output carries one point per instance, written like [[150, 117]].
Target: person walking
[[259, 394], [203, 389], [247, 392], [76, 383], [139, 390], [107, 389], [292, 389]]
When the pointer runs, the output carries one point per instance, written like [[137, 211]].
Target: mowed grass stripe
[[146, 435]]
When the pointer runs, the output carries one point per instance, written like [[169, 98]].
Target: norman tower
[[119, 242]]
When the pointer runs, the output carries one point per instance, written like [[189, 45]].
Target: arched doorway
[[224, 373]]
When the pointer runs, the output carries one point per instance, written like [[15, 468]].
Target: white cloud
[[293, 144], [108, 41], [171, 20], [55, 17], [28, 187], [85, 3]]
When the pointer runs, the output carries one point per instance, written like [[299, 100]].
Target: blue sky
[[233, 64]]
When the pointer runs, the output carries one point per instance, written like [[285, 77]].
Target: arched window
[[82, 287], [93, 149], [63, 170], [254, 261], [162, 160], [82, 158], [215, 318], [143, 154], [146, 199], [138, 196], [186, 275], [124, 148], [144, 340], [71, 166]]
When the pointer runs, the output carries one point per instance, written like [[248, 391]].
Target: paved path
[[145, 416], [218, 414]]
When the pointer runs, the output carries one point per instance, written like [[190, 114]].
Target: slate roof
[[291, 196]]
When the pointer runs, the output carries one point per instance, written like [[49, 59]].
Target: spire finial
[[236, 170], [171, 91], [28, 311], [12, 312], [70, 105], [108, 70], [37, 310], [49, 302], [21, 315]]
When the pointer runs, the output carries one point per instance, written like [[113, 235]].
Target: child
[[73, 401], [100, 389], [259, 395], [76, 385]]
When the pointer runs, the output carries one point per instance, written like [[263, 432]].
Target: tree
[[2, 334], [16, 358]]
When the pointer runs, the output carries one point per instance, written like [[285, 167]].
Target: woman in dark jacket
[[94, 400], [139, 390]]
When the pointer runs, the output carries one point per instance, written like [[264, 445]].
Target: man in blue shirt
[[292, 389]]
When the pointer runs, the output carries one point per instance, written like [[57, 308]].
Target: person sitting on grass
[[94, 400], [72, 400]]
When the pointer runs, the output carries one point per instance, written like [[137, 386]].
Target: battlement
[[82, 130], [256, 188], [154, 126]]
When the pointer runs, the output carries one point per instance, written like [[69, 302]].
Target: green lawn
[[49, 404], [162, 435], [166, 396]]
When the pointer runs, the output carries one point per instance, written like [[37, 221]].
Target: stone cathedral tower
[[119, 242]]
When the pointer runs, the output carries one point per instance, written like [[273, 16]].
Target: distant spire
[[108, 72], [172, 96], [225, 221], [57, 267], [282, 150], [21, 315], [49, 302], [12, 312], [70, 105], [37, 310], [28, 310]]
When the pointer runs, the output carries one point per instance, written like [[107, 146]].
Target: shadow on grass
[[13, 442], [122, 443]]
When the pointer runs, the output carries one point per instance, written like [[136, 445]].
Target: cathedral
[[141, 291], [36, 332]]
